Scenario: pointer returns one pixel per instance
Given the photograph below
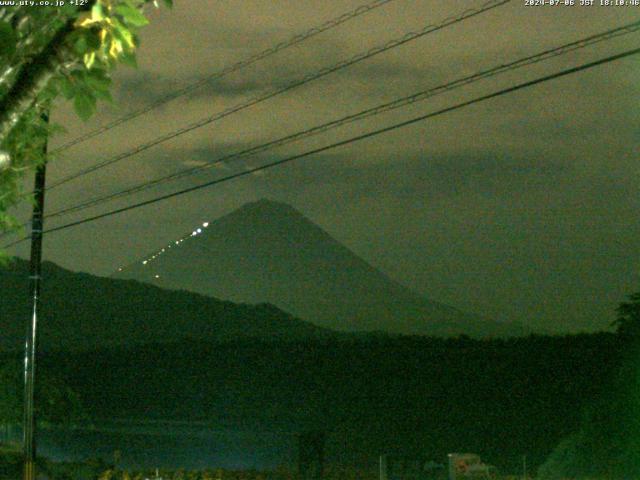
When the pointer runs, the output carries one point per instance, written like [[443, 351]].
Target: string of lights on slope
[[395, 104], [505, 91], [169, 246]]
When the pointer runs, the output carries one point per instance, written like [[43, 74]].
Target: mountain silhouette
[[81, 311], [268, 251]]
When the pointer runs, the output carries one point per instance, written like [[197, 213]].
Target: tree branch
[[32, 79]]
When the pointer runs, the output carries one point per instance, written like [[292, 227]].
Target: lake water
[[145, 446]]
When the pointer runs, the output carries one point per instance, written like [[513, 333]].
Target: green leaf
[[89, 59], [49, 93], [93, 39], [123, 34], [97, 12], [99, 83], [8, 40], [168, 3], [80, 46], [84, 105], [131, 15], [98, 78], [66, 88], [104, 95]]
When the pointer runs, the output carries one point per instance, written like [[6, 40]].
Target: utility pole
[[37, 223]]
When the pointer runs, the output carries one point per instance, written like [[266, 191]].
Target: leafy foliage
[[628, 320], [50, 54], [605, 444]]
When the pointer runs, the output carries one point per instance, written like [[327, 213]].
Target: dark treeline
[[188, 357], [606, 443], [374, 394]]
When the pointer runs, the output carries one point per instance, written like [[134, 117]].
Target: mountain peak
[[265, 202], [269, 252], [267, 206]]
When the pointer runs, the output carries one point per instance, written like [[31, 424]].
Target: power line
[[449, 21], [325, 71], [295, 40], [357, 138], [389, 106]]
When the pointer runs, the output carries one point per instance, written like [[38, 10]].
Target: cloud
[[402, 178], [147, 88], [194, 163]]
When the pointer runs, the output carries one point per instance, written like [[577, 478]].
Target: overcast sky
[[524, 207]]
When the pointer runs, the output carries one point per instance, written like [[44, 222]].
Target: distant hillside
[[81, 311], [269, 252]]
